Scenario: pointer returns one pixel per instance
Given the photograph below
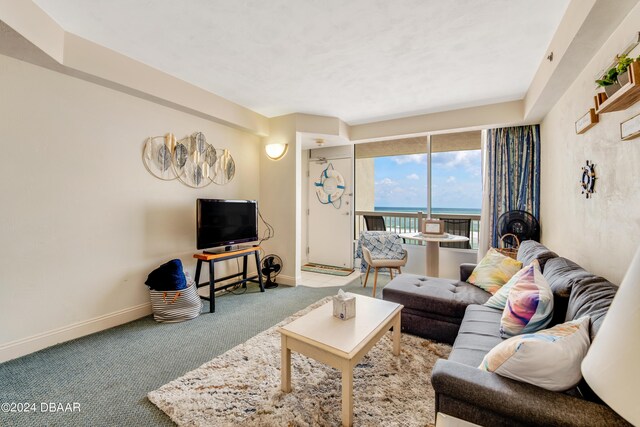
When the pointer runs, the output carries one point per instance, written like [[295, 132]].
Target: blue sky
[[401, 181]]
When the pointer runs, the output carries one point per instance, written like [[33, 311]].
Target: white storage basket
[[176, 306]]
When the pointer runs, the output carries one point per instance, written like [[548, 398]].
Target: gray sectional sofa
[[451, 311]]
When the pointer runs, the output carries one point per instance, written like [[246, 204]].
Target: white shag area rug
[[242, 386]]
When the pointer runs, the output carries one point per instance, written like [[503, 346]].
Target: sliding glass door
[[439, 176]]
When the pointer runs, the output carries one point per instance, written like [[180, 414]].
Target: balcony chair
[[374, 223], [387, 252], [460, 227]]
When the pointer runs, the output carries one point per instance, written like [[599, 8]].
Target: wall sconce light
[[276, 151]]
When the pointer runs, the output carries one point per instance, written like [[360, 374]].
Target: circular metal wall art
[[157, 156], [225, 167], [194, 160], [588, 180]]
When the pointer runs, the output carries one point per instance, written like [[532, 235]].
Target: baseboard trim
[[286, 280], [24, 346]]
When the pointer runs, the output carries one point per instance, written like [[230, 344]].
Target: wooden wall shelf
[[625, 97]]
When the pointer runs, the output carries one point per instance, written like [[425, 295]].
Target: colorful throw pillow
[[549, 359], [494, 271], [529, 305], [499, 299]]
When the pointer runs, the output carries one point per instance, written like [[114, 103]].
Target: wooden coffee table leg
[[285, 366], [347, 394], [396, 335]]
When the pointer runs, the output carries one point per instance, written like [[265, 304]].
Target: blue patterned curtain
[[513, 160]]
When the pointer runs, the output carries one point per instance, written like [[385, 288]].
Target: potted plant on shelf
[[623, 69], [610, 82]]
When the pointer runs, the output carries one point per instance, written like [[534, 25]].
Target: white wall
[[279, 196], [82, 221], [339, 152], [485, 116], [283, 190], [365, 184], [29, 34], [603, 232]]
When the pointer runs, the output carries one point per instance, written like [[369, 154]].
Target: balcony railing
[[409, 222]]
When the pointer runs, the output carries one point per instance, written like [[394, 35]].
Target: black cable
[[268, 233], [231, 291]]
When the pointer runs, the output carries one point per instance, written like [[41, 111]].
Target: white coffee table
[[340, 343], [433, 249]]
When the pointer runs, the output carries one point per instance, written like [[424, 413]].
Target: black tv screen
[[225, 222]]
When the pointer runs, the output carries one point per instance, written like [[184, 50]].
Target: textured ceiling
[[359, 60]]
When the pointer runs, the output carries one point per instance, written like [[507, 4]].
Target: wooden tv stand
[[222, 256]]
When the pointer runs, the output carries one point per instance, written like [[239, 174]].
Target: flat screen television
[[225, 222]]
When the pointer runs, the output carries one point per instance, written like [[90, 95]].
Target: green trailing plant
[[609, 78], [623, 64]]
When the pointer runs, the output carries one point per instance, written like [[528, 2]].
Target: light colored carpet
[[242, 386]]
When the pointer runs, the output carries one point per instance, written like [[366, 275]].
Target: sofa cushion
[[562, 274], [444, 297], [549, 358], [529, 304], [493, 271], [530, 250], [478, 334], [591, 297]]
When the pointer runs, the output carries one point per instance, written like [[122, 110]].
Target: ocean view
[[405, 225], [466, 211]]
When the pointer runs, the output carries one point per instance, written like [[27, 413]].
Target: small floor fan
[[519, 223], [271, 266]]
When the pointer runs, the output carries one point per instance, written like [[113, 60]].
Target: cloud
[[410, 158], [456, 180], [456, 191], [397, 192], [468, 160], [386, 181]]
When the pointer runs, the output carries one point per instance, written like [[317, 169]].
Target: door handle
[[346, 213]]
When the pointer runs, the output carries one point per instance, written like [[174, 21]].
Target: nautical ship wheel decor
[[588, 180]]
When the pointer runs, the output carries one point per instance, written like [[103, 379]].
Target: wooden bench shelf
[[625, 97]]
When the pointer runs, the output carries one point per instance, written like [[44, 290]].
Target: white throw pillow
[[549, 358]]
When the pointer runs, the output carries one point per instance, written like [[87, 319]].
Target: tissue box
[[344, 308]]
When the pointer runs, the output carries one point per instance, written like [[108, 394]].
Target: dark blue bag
[[167, 277]]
